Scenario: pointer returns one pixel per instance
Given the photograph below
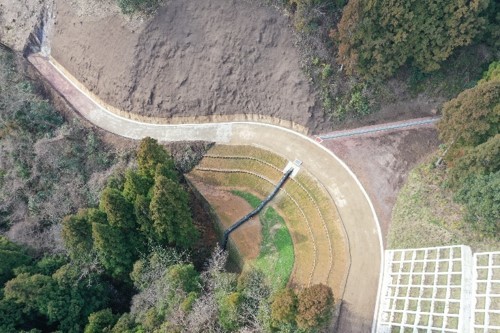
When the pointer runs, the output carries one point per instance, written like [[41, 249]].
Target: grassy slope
[[276, 255], [426, 215]]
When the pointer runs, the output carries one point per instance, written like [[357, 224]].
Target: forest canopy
[[470, 128], [377, 37]]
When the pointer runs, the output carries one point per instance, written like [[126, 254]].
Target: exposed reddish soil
[[230, 208], [382, 162]]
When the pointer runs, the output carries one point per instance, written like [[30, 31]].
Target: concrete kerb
[[349, 171], [174, 120], [379, 230]]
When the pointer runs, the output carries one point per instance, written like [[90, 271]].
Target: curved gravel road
[[354, 206]]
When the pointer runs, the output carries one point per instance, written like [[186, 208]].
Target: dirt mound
[[193, 58]]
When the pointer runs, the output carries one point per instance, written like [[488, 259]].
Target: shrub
[[481, 196], [493, 72], [359, 103], [326, 72], [228, 311], [284, 307], [314, 307], [144, 6]]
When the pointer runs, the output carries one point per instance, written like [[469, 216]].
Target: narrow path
[[379, 128], [354, 206]]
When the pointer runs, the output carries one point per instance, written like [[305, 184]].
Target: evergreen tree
[[11, 316], [63, 300], [12, 256], [376, 37], [143, 217], [170, 213], [101, 322], [33, 292], [135, 184], [77, 234], [116, 253], [150, 154], [119, 211]]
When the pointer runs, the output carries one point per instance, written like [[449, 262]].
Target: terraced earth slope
[[309, 212]]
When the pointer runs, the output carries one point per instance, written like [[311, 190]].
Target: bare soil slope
[[382, 162], [193, 58]]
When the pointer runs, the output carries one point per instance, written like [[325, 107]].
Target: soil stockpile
[[192, 58]]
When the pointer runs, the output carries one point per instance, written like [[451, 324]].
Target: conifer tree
[[376, 37]]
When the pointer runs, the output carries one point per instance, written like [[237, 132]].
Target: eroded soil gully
[[355, 208]]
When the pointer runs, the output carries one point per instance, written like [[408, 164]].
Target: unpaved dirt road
[[353, 204]]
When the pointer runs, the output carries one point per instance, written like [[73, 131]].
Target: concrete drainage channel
[[256, 210], [376, 129]]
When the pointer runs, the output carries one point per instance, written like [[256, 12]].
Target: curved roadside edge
[[379, 230], [177, 120], [214, 132]]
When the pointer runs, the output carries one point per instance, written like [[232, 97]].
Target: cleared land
[[245, 49], [308, 211], [382, 162]]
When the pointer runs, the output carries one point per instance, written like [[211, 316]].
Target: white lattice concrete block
[[441, 289]]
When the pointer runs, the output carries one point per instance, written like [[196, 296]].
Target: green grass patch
[[425, 214], [250, 198], [276, 256]]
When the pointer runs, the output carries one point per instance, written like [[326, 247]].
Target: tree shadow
[[351, 322]]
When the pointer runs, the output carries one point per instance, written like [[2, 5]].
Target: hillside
[[216, 57]]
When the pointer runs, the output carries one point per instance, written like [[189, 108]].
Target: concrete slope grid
[[358, 310]]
